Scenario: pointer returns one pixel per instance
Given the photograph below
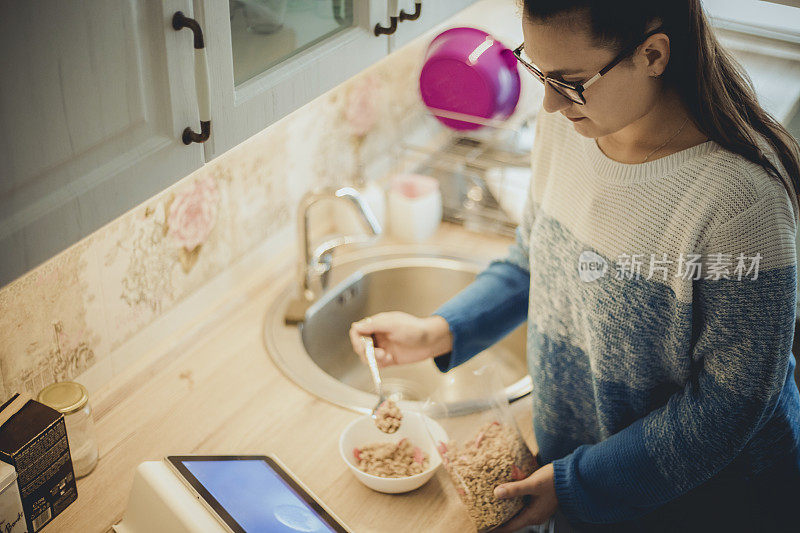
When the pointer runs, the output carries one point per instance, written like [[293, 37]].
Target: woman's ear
[[655, 53]]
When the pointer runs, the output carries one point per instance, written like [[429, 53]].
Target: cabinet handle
[[180, 21], [189, 136], [413, 16], [386, 30]]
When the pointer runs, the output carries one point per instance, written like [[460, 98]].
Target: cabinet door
[[269, 57], [433, 12], [94, 96]]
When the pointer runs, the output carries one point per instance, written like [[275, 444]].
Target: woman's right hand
[[401, 338]]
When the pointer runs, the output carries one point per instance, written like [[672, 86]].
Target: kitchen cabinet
[[267, 58], [765, 39], [432, 12], [94, 97], [756, 17]]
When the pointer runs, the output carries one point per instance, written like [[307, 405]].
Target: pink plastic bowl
[[468, 71]]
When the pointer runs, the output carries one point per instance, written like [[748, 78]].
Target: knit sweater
[[660, 308]]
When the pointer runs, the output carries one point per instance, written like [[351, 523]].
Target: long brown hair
[[714, 87]]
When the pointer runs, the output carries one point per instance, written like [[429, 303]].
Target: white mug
[[415, 207]]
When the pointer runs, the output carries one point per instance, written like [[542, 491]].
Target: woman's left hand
[[543, 504]]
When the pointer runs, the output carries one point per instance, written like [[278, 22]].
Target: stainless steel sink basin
[[317, 354]]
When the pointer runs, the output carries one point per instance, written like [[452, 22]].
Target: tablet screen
[[253, 494]]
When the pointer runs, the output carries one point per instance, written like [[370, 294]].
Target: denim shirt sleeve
[[494, 304]]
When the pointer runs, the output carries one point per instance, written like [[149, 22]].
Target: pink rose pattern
[[361, 111], [193, 213]]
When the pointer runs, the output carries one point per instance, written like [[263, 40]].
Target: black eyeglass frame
[[579, 88]]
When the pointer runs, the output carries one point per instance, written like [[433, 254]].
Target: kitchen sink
[[316, 354]]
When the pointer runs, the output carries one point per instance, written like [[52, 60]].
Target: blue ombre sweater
[[665, 400]]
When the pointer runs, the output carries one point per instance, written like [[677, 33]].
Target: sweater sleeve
[[742, 351], [494, 304], [484, 312]]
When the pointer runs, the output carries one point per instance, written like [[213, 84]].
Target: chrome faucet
[[314, 266]]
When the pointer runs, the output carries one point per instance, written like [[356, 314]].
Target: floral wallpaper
[[192, 215], [70, 313]]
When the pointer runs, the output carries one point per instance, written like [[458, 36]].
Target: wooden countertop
[[215, 390]]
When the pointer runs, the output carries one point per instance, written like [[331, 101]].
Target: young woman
[[658, 251]]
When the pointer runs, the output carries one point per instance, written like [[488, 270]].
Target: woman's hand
[[543, 504], [401, 338]]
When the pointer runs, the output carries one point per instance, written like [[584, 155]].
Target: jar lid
[[65, 396]]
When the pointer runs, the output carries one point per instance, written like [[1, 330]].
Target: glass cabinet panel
[[267, 32]]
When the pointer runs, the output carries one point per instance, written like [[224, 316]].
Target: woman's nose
[[553, 101]]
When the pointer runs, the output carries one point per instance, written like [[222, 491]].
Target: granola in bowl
[[386, 459]]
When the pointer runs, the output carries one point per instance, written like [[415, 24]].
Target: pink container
[[468, 71]]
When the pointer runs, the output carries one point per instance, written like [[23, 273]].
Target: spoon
[[369, 349]]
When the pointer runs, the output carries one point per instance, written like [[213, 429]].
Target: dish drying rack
[[473, 167]]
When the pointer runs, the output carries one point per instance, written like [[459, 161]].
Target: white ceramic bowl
[[362, 431]]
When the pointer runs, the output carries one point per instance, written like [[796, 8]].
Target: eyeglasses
[[574, 91]]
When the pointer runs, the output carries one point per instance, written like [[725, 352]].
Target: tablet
[[254, 493]]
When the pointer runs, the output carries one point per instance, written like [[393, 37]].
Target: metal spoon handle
[[369, 348]]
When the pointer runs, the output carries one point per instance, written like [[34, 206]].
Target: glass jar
[[72, 399]]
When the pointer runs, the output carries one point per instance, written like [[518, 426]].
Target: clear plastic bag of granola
[[485, 447]]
